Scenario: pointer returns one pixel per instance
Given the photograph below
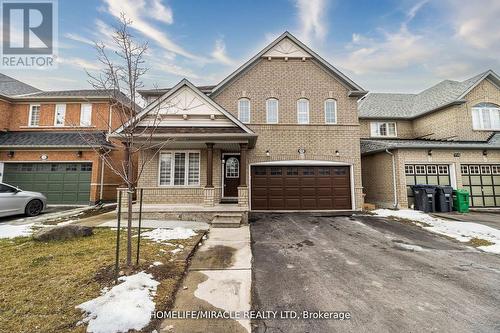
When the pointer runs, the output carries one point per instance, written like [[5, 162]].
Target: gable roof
[[158, 92], [355, 90], [201, 95], [12, 87], [409, 106]]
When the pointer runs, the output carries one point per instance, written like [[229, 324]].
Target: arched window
[[232, 168], [330, 111], [486, 116], [303, 111], [244, 110], [272, 111]]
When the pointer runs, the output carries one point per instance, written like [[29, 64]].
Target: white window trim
[[277, 110], [249, 110], [298, 118], [81, 114], [30, 114], [186, 169], [378, 123], [55, 116], [334, 111], [480, 111]]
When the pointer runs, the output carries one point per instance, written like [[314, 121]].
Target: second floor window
[[303, 111], [387, 129], [486, 116], [34, 119], [330, 111], [244, 110], [60, 114], [272, 111], [85, 115]]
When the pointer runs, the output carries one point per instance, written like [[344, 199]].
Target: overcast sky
[[390, 45]]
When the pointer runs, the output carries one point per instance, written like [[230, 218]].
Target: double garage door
[[300, 188], [61, 183]]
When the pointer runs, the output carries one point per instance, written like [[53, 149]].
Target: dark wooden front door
[[231, 175], [301, 188]]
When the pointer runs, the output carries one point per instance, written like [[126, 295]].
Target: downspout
[[394, 187], [102, 176]]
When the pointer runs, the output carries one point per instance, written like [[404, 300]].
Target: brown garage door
[[300, 188]]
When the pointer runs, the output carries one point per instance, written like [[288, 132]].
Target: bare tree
[[122, 69]]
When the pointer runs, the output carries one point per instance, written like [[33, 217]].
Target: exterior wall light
[[337, 153], [429, 152], [79, 153], [10, 154], [268, 153], [485, 152]]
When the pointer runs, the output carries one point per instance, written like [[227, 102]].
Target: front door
[[231, 175]]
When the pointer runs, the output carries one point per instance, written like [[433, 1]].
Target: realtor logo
[[28, 33]]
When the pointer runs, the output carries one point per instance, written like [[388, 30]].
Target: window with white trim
[[85, 115], [303, 111], [330, 111], [34, 118], [272, 111], [179, 168], [60, 114], [387, 129], [486, 116], [244, 110], [232, 168]]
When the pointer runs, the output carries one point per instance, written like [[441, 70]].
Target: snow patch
[[461, 231], [156, 263], [410, 247], [11, 230], [127, 306], [162, 235], [174, 251]]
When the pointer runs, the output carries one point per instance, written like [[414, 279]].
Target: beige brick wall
[[378, 179], [404, 128], [288, 81], [456, 122], [381, 189]]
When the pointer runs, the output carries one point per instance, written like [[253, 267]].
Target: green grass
[[41, 283]]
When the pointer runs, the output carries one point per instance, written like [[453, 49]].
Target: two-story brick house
[[445, 135], [47, 141], [279, 133]]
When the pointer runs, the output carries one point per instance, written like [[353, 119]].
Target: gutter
[[394, 187]]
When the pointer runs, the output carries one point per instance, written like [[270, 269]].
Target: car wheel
[[33, 208]]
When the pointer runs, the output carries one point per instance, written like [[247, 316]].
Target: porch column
[[243, 164], [210, 167]]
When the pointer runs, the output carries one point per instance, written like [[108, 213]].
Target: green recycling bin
[[461, 201]]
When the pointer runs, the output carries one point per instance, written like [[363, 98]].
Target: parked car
[[15, 201]]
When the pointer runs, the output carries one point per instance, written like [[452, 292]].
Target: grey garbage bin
[[444, 199], [425, 197]]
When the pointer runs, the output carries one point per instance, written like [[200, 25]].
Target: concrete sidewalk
[[219, 278]]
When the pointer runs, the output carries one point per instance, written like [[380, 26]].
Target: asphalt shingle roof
[[370, 146], [53, 139], [12, 87], [404, 106]]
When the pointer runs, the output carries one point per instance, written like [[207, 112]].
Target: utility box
[[425, 197], [444, 198], [461, 201]]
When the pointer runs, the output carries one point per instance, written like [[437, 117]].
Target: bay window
[[486, 116], [179, 168]]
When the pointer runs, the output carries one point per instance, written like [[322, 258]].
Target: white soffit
[[286, 48]]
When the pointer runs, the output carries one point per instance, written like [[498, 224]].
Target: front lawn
[[41, 283]]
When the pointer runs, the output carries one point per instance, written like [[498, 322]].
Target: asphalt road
[[390, 276]]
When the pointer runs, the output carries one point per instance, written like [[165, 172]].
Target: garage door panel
[[59, 182], [300, 188]]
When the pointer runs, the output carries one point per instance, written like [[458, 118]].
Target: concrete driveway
[[390, 276]]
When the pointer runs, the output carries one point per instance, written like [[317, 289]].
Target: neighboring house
[[45, 139], [448, 134], [279, 133]]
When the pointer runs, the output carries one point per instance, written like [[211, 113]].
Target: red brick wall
[[5, 114]]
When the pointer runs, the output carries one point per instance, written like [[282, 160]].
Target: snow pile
[[124, 307], [461, 231], [11, 230], [162, 235]]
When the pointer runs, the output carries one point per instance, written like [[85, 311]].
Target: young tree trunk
[[130, 192]]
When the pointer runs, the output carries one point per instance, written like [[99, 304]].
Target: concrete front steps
[[227, 220]]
